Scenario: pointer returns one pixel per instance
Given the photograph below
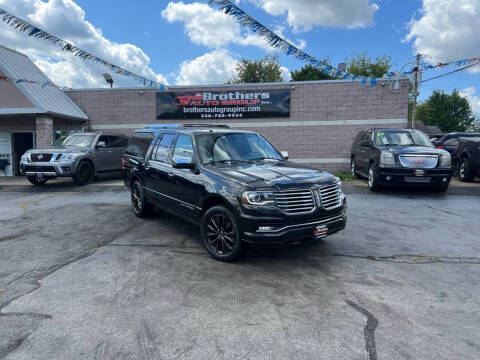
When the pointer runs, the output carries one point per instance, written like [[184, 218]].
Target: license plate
[[320, 231]]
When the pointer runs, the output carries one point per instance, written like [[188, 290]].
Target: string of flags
[[33, 31], [458, 63], [288, 48], [19, 81]]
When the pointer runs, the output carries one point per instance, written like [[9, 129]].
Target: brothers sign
[[223, 104]]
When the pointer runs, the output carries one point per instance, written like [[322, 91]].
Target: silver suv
[[80, 156]]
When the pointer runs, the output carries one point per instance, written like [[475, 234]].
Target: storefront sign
[[223, 104]]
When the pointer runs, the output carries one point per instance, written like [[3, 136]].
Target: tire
[[221, 234], [140, 206], [373, 178], [85, 174], [35, 181], [465, 173], [353, 168]]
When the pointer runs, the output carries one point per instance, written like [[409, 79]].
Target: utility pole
[[416, 70]]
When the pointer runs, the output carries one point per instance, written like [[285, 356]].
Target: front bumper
[[415, 177], [289, 231], [47, 169]]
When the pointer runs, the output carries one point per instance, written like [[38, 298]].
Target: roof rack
[[186, 126]]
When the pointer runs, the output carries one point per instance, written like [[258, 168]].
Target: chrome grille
[[295, 201], [418, 161], [330, 196]]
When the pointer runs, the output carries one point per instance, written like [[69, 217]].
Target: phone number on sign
[[209, 116]]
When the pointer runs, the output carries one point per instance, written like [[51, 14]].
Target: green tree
[[309, 73], [448, 112], [257, 71], [363, 65]]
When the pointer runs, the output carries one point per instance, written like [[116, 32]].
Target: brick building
[[317, 130]]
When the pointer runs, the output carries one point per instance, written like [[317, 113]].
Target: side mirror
[[181, 165], [101, 144], [284, 154], [364, 143]]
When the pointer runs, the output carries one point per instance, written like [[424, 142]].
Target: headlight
[[445, 161], [259, 198], [24, 158], [68, 156], [339, 182], [387, 158]]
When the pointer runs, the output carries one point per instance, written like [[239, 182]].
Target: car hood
[[405, 149], [59, 149], [276, 175]]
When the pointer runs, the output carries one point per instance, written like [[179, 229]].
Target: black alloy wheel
[[220, 234], [465, 172], [85, 174], [36, 180], [141, 207]]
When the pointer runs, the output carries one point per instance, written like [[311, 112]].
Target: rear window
[[139, 144]]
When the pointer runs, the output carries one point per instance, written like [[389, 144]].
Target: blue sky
[[188, 43]]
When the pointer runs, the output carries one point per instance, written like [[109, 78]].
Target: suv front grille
[[418, 161], [330, 196], [41, 157], [295, 201]]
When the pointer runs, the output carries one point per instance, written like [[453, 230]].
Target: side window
[[118, 141], [163, 150], [139, 144], [105, 139], [366, 139], [183, 150]]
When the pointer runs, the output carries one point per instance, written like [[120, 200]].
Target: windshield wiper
[[263, 158], [222, 162]]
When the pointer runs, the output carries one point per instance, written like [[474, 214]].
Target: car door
[[363, 152], [185, 183], [117, 145], [157, 169], [451, 146], [102, 154]]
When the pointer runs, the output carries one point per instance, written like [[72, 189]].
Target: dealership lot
[[81, 277]]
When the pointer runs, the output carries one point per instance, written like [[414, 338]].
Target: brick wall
[[44, 132], [325, 116]]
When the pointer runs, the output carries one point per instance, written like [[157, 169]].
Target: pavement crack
[[368, 330], [446, 211], [414, 258]]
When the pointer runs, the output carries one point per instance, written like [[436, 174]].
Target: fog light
[[389, 178], [265, 228], [444, 179]]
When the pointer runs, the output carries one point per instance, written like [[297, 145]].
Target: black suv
[[468, 158], [399, 157], [232, 183]]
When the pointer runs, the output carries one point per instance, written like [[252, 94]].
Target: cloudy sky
[[189, 42]]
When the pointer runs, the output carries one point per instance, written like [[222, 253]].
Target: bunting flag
[[279, 43], [458, 63], [33, 31], [26, 81]]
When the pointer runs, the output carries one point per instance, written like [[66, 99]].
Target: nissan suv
[[400, 157], [234, 184], [82, 156]]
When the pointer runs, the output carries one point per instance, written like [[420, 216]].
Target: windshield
[[80, 140], [235, 147], [402, 138]]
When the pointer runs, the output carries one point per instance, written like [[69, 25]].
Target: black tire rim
[[220, 233], [137, 200], [86, 173]]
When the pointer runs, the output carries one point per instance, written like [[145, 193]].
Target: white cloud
[[474, 100], [65, 19], [286, 74], [305, 14], [446, 30], [210, 27], [216, 67]]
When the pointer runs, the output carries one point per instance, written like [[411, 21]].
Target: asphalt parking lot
[[82, 278]]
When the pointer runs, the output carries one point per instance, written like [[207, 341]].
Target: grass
[[344, 176]]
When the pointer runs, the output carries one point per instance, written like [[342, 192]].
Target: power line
[[450, 72]]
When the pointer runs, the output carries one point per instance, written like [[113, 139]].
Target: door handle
[[146, 166], [171, 174]]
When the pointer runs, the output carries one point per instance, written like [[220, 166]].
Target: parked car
[[234, 184], [468, 157], [399, 157], [81, 156], [449, 142]]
